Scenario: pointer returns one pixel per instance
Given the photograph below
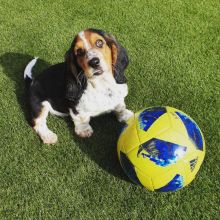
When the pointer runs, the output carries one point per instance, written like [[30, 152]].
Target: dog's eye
[[80, 52], [99, 43]]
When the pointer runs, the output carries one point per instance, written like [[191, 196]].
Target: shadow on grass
[[13, 66], [101, 147]]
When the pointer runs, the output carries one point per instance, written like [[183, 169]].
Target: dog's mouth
[[97, 72]]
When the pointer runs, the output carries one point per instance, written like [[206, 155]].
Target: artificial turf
[[174, 49]]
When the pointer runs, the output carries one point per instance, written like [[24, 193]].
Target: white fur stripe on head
[[85, 41]]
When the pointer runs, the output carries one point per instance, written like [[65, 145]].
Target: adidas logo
[[193, 163]]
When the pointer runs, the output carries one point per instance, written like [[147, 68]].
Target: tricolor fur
[[88, 83]]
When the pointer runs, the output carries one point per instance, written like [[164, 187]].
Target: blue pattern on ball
[[174, 184], [161, 152], [149, 116], [192, 130]]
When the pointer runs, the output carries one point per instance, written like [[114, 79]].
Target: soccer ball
[[161, 148]]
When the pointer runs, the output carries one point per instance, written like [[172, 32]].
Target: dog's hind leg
[[40, 111]]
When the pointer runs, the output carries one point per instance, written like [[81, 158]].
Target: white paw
[[84, 132], [125, 115], [49, 137]]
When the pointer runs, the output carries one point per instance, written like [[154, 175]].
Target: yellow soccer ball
[[161, 148]]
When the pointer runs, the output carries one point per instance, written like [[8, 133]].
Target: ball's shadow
[[101, 147]]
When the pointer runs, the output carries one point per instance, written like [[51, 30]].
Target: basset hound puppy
[[88, 83]]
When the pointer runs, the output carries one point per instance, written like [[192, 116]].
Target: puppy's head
[[94, 52]]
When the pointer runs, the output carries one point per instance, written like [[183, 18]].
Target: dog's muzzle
[[95, 64]]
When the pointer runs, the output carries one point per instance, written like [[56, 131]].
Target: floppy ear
[[70, 60], [119, 59], [75, 78]]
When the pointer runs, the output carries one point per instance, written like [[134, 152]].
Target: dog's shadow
[[101, 147]]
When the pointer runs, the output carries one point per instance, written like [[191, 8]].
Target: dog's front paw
[[84, 131], [49, 137], [125, 115]]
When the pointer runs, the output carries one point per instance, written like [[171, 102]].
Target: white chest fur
[[102, 95]]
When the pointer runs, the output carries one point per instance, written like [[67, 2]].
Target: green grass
[[174, 50]]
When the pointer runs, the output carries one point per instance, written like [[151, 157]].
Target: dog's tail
[[28, 72]]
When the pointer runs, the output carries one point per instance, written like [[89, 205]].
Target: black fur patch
[[58, 86]]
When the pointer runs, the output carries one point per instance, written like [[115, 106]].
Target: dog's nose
[[94, 62]]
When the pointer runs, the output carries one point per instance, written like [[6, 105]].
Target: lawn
[[174, 50]]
